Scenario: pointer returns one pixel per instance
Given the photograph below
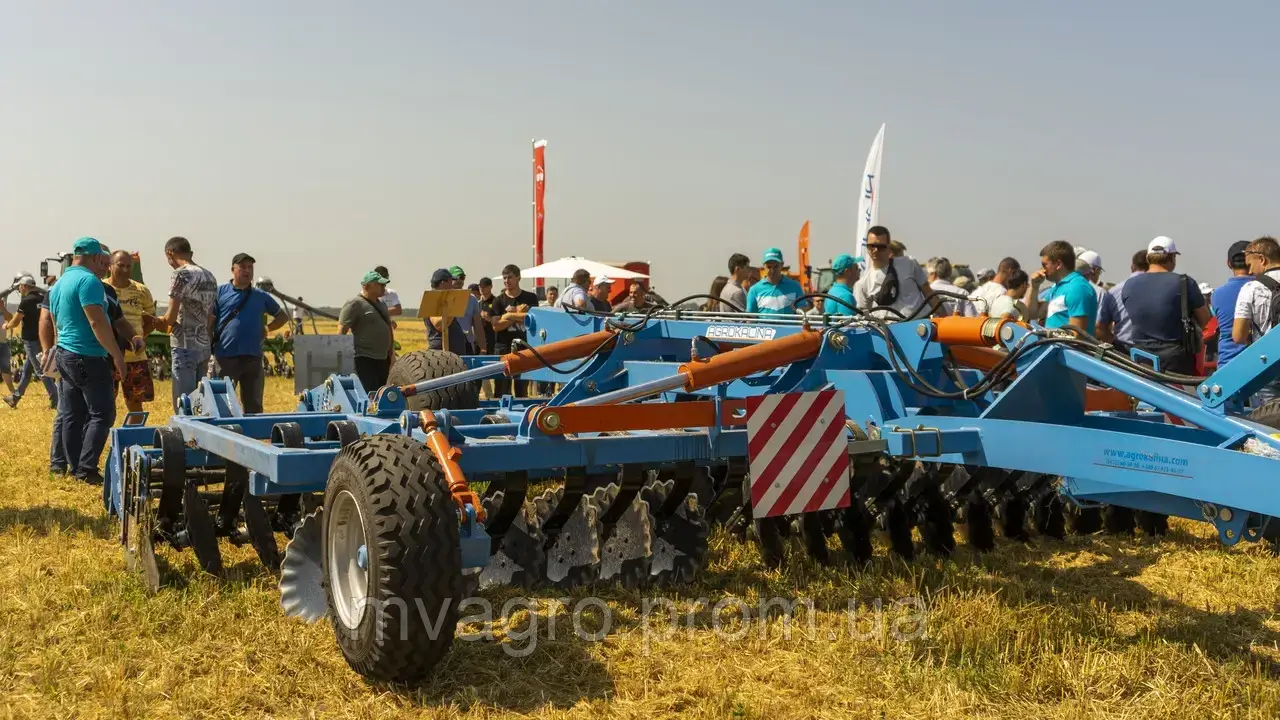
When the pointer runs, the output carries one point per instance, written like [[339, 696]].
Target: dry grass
[[1099, 627]]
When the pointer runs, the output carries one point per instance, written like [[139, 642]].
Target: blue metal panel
[[292, 467], [1135, 462]]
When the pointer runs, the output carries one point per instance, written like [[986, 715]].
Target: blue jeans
[[189, 365], [86, 412], [31, 369]]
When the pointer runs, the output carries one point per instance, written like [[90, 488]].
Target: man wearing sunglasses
[[896, 283], [1072, 300]]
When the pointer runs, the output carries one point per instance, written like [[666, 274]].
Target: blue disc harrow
[[382, 510]]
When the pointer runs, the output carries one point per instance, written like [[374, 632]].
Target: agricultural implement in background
[[397, 505]]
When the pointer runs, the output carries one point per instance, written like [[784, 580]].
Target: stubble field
[[1086, 627]]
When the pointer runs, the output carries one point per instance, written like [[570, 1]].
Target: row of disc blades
[[640, 548]]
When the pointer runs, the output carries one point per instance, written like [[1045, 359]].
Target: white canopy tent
[[566, 267]]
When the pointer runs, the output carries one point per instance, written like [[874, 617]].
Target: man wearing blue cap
[[86, 348], [846, 270], [775, 294]]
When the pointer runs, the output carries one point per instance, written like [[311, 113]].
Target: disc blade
[[301, 576]]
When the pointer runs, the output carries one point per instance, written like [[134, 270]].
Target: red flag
[[539, 200]]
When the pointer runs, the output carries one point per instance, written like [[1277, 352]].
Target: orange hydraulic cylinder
[[447, 455], [574, 348], [751, 360], [981, 331]]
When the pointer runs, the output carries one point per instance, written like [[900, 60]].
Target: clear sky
[[326, 137]]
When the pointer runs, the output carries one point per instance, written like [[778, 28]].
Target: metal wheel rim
[[345, 539]]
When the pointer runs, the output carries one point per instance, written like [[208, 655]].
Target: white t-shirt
[[297, 313], [1005, 305], [948, 304], [390, 298], [986, 295], [911, 281], [1254, 304]]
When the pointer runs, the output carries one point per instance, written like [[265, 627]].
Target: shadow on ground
[[46, 519]]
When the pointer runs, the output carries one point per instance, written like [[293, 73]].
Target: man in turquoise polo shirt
[[775, 294], [85, 351], [845, 267], [1073, 299]]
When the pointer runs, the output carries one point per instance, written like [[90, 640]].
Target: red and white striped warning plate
[[798, 453]]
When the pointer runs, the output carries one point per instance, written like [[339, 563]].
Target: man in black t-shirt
[[27, 322], [486, 312], [507, 317]]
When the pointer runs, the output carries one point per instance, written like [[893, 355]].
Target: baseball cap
[[27, 280], [1237, 248], [87, 246], [457, 271], [440, 276], [843, 262], [773, 254], [242, 258], [603, 280], [373, 277], [1164, 245], [1093, 258], [474, 287]]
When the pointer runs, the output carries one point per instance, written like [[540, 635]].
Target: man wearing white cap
[[599, 298], [1091, 262], [1166, 310], [27, 321]]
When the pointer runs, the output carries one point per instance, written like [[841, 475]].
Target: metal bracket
[[915, 444]]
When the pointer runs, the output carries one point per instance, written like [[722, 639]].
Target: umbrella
[[566, 267]]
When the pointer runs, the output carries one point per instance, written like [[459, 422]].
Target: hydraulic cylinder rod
[[515, 363], [721, 368]]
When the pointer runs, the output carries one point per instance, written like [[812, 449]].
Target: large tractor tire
[[391, 558], [422, 365]]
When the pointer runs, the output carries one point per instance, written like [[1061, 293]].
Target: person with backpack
[[1258, 304], [893, 283], [1166, 310], [369, 323], [238, 332]]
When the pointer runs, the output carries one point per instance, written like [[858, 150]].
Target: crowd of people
[[83, 338]]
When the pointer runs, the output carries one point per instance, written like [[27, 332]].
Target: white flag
[[869, 198]]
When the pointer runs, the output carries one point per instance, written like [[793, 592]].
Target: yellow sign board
[[443, 303]]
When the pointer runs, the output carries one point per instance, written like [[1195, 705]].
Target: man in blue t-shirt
[[775, 294], [845, 268], [85, 348], [238, 332], [1153, 301], [1224, 301], [1073, 299]]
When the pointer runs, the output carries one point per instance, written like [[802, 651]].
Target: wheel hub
[[348, 559]]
